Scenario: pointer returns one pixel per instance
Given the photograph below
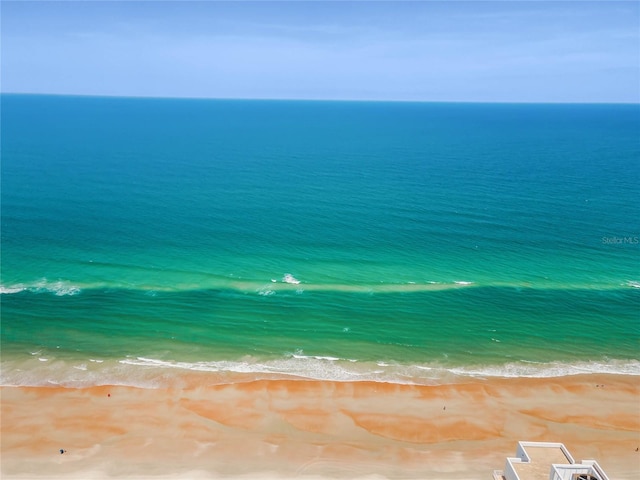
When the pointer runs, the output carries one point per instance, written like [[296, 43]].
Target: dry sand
[[315, 429]]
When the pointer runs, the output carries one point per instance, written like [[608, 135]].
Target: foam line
[[271, 287], [149, 372]]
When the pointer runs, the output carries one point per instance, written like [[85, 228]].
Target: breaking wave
[[145, 372], [289, 284], [59, 288]]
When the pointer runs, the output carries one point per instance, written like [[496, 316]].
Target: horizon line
[[302, 99]]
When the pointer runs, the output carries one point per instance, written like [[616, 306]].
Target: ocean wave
[[59, 288], [147, 372], [288, 278], [527, 369], [294, 365], [12, 289], [318, 367], [293, 285]]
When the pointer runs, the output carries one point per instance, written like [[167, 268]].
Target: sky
[[467, 51]]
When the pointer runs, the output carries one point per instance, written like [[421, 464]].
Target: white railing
[[522, 452], [567, 472], [557, 471], [597, 468], [509, 470]]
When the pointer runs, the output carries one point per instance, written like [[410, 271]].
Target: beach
[[253, 289], [283, 428]]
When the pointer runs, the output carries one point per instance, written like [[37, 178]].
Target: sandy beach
[[313, 429]]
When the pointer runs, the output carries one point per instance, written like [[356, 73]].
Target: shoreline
[[50, 368], [316, 429]]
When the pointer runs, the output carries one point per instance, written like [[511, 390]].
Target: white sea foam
[[149, 372], [295, 365], [318, 367], [58, 288], [12, 289], [317, 357], [288, 278], [289, 283], [552, 369]]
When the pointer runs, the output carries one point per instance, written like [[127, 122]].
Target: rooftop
[[547, 461], [540, 460]]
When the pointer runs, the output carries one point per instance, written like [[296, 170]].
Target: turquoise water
[[411, 242]]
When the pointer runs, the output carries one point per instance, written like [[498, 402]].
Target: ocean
[[146, 240]]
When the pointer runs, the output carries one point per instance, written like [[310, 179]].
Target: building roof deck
[[541, 458]]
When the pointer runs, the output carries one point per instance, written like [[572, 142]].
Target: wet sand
[[267, 429]]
